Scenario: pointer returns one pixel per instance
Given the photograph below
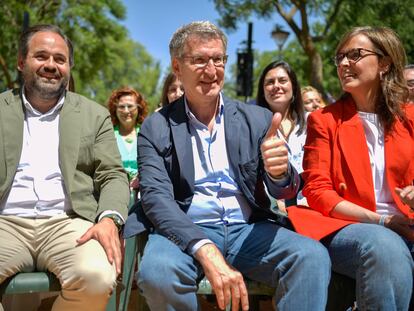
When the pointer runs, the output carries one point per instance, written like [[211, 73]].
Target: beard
[[42, 87]]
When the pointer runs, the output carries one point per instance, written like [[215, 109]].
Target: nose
[[344, 61], [50, 64], [276, 85], [210, 69], [179, 92]]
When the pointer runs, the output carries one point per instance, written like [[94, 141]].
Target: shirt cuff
[[283, 181], [110, 212], [197, 245]]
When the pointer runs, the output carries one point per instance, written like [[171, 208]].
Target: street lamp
[[280, 36]]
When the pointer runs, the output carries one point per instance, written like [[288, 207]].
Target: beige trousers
[[86, 276]]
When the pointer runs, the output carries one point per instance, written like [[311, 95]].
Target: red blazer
[[337, 167]]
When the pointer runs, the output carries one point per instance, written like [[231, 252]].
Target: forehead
[[128, 98], [409, 73], [277, 72], [175, 83], [357, 41], [48, 41], [310, 94], [201, 45]]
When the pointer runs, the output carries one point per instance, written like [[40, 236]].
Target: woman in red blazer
[[359, 170]]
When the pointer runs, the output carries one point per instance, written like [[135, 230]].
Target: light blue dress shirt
[[217, 197]]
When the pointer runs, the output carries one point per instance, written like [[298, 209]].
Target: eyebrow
[[36, 52]]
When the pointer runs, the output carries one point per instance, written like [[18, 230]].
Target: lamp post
[[280, 36]]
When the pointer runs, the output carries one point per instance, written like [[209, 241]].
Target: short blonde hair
[[309, 88]]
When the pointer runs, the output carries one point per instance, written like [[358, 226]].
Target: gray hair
[[201, 29]]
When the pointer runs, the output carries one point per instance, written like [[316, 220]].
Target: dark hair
[[127, 91], [409, 66], [394, 91], [171, 78], [31, 31], [296, 104]]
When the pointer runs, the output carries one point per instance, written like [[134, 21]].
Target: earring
[[381, 75]]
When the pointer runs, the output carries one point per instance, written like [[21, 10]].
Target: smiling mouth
[[208, 82], [277, 94], [348, 75], [47, 78]]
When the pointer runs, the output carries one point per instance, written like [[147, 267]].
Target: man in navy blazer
[[204, 162]]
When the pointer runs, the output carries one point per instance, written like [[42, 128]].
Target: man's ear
[[20, 63], [176, 67]]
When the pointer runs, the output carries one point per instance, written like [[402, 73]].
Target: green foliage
[[105, 57], [396, 14]]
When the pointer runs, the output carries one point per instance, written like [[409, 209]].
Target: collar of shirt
[[195, 122], [33, 111]]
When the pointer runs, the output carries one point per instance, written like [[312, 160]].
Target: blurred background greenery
[[106, 57]]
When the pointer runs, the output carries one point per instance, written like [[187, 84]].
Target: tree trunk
[[316, 70]]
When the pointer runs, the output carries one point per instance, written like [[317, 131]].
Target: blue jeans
[[379, 261], [298, 267]]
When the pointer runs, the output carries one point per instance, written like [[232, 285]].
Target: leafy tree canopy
[[321, 22], [105, 57]]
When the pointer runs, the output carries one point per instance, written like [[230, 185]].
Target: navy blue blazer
[[165, 161]]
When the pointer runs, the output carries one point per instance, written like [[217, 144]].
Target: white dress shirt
[[374, 135], [38, 187]]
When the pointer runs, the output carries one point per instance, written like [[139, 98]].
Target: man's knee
[[165, 274], [96, 277], [158, 271]]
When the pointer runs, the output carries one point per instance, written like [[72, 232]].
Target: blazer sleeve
[[155, 153], [285, 188], [109, 176], [317, 164]]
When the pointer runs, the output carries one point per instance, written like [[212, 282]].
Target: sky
[[152, 23]]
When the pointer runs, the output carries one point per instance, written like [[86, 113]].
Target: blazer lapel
[[69, 139], [182, 142], [232, 132], [12, 115], [354, 148], [399, 148]]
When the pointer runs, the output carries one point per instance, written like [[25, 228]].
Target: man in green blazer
[[63, 191]]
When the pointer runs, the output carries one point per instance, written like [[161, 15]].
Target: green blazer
[[89, 159]]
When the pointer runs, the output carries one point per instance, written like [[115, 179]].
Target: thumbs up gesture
[[274, 150]]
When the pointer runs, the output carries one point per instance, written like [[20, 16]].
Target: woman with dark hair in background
[[172, 89], [359, 171], [128, 110], [279, 91]]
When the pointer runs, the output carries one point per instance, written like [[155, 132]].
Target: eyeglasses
[[202, 61], [125, 107], [354, 55]]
